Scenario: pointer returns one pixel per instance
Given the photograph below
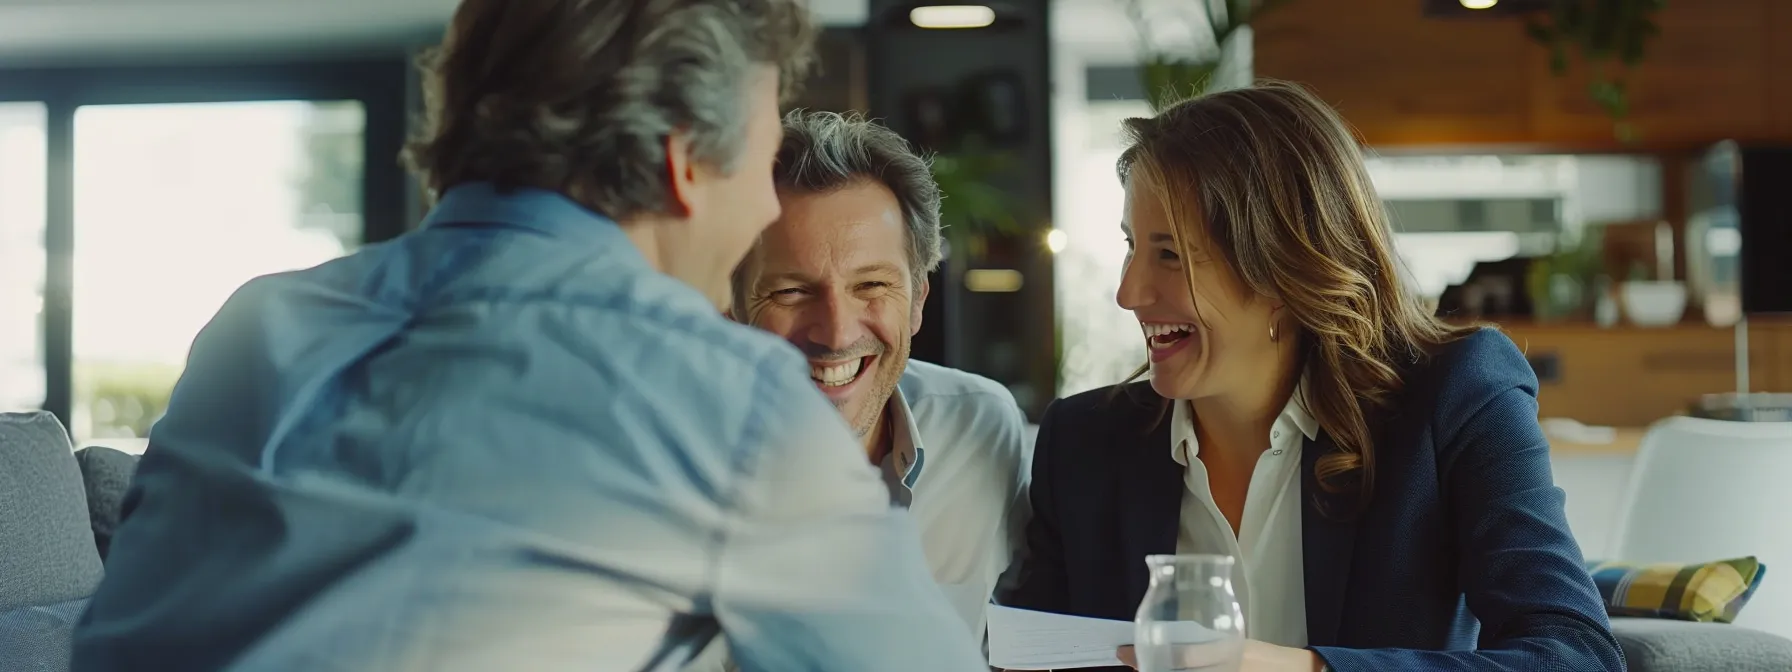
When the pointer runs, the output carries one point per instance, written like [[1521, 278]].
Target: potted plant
[[972, 206], [1169, 74]]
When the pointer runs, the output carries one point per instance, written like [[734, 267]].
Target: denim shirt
[[504, 441]]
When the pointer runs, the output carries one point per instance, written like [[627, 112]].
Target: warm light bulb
[[1479, 4], [954, 16], [1055, 240]]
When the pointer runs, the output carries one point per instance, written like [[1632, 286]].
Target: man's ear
[[681, 173], [915, 307]]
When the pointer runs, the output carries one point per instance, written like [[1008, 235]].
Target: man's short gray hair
[[826, 151], [578, 96]]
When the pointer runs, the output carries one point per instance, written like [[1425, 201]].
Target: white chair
[[1712, 490]]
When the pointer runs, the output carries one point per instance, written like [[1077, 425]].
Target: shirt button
[[1277, 451], [1275, 434]]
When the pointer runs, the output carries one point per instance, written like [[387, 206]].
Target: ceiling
[[60, 30]]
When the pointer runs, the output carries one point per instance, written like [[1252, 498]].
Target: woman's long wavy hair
[[1285, 196]]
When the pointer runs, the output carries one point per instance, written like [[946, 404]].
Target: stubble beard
[[888, 375]]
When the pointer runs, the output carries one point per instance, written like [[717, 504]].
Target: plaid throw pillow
[[1711, 592]]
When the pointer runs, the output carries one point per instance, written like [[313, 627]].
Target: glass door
[[175, 207]]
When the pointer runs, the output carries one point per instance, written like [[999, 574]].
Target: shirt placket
[[1202, 491]]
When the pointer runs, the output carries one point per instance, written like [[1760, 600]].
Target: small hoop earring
[[1272, 332]]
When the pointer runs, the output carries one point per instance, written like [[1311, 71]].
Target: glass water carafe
[[1190, 619]]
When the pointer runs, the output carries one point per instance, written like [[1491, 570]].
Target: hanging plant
[[1609, 37], [1171, 75]]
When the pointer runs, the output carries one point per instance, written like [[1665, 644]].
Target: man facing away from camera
[[522, 437], [842, 275]]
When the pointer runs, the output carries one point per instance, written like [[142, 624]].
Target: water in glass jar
[[1190, 619]]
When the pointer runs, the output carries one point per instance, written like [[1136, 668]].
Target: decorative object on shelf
[[1170, 75], [1653, 303], [1605, 306], [1558, 283], [1610, 37]]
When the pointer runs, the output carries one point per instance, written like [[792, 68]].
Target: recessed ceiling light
[[964, 16], [1479, 4]]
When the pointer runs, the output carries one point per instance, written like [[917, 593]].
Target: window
[[22, 196], [176, 206], [1101, 344]]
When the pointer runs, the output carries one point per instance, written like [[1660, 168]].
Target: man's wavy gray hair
[[826, 151], [579, 96]]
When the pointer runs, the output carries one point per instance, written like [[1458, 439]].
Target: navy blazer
[[1462, 559]]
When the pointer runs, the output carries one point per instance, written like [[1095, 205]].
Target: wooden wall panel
[[1704, 78], [1779, 67], [1721, 69], [1398, 77]]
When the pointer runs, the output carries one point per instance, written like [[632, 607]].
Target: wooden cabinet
[[1720, 69], [1630, 377]]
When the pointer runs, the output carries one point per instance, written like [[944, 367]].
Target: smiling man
[[842, 275]]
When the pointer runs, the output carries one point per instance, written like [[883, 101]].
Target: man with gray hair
[[522, 437], [842, 275]]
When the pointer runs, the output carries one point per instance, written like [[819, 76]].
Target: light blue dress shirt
[[505, 442]]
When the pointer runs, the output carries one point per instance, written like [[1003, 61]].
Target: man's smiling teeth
[[837, 374]]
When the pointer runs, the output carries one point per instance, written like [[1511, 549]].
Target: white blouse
[[1269, 574]]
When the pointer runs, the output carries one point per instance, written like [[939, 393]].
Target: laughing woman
[[1379, 475]]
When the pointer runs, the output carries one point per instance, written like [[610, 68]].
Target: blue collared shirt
[[504, 441]]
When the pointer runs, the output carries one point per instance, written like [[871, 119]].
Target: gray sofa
[[58, 508]]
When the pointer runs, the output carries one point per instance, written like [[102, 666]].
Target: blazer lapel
[[1328, 543], [1152, 506]]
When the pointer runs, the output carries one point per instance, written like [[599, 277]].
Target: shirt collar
[[539, 210], [1182, 424], [906, 452]]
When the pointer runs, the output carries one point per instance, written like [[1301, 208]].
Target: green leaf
[[1603, 34], [971, 203]]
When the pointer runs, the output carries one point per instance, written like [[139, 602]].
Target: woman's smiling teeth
[[835, 375], [1160, 336]]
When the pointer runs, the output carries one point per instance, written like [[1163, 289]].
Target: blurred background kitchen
[[1602, 178]]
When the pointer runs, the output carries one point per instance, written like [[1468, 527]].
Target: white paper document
[[1020, 639]]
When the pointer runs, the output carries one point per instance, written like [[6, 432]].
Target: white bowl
[[1655, 303]]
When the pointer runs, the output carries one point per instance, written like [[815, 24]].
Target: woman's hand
[[1258, 657]]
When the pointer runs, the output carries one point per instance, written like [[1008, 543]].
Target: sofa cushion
[[1708, 591], [107, 475], [39, 639], [1655, 645], [47, 555]]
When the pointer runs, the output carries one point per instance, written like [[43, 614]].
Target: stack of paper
[[1035, 640]]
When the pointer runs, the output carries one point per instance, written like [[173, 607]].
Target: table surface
[[1625, 442]]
